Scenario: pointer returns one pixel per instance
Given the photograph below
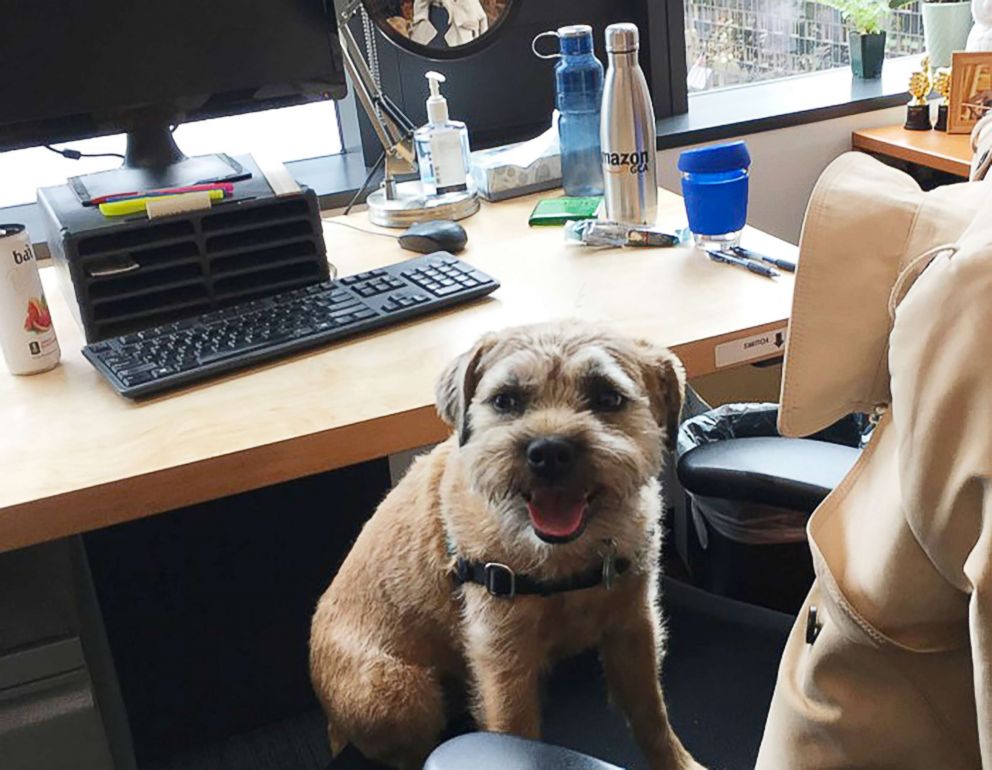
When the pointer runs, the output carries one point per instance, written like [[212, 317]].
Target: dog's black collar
[[501, 581]]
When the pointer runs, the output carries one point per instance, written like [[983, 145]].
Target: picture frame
[[971, 90]]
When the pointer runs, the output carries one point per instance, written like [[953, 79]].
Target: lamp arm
[[397, 114], [392, 127]]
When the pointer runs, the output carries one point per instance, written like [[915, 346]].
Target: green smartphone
[[558, 211]]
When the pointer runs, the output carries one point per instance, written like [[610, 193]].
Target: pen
[[747, 264], [784, 264], [239, 177]]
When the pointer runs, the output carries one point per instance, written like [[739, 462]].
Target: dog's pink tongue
[[555, 513]]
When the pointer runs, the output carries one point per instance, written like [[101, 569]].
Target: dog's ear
[[456, 387], [664, 377]]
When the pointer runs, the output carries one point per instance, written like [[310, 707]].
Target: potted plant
[[866, 37], [946, 24]]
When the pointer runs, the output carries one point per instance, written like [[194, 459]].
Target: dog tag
[[610, 565]]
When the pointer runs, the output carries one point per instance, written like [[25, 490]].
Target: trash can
[[750, 493]]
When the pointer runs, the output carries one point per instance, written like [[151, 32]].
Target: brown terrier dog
[[531, 534]]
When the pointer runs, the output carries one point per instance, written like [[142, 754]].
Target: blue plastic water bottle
[[579, 94]]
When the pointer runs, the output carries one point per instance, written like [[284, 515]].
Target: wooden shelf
[[933, 149]]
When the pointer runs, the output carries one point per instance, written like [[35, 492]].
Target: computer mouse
[[435, 235]]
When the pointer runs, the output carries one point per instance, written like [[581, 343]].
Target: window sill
[[749, 109]]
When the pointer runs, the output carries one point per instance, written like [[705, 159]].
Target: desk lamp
[[433, 29]]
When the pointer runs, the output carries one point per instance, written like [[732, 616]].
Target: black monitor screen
[[72, 67]]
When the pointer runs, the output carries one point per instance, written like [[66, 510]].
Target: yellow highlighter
[[137, 205]]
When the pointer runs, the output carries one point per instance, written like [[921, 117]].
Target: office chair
[[774, 476], [719, 673]]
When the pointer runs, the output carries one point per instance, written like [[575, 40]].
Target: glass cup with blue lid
[[715, 189]]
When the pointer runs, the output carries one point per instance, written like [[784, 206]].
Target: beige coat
[[981, 147], [899, 674]]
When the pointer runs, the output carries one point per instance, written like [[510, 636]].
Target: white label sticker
[[750, 348], [449, 166]]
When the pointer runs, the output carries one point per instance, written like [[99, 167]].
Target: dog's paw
[[688, 763], [680, 759]]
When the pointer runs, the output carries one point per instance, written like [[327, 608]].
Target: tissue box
[[505, 172]]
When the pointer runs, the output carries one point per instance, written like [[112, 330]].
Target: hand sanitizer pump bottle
[[442, 145]]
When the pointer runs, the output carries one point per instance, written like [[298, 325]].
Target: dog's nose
[[551, 457]]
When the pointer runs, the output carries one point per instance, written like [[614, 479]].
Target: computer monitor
[[80, 69]]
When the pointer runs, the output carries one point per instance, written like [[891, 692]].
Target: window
[[290, 133], [732, 42]]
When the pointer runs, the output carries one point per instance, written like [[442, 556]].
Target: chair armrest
[[494, 751], [792, 473]]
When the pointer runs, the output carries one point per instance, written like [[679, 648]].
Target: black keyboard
[[179, 353]]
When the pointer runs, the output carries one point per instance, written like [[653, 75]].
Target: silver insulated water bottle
[[627, 133]]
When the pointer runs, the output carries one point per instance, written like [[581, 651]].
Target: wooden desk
[[933, 149], [75, 456]]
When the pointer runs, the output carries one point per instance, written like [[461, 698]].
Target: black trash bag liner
[[750, 523], [761, 419]]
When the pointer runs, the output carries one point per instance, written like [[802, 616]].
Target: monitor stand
[[152, 161]]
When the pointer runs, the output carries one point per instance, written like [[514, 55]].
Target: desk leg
[[60, 705]]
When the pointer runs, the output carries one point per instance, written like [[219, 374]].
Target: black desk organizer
[[125, 274]]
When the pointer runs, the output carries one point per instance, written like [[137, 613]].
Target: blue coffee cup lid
[[715, 158]]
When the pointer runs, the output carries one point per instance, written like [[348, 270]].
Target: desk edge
[[82, 510]]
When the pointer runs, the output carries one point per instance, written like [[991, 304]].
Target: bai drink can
[[26, 335]]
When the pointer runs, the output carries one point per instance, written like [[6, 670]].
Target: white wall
[[785, 164]]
